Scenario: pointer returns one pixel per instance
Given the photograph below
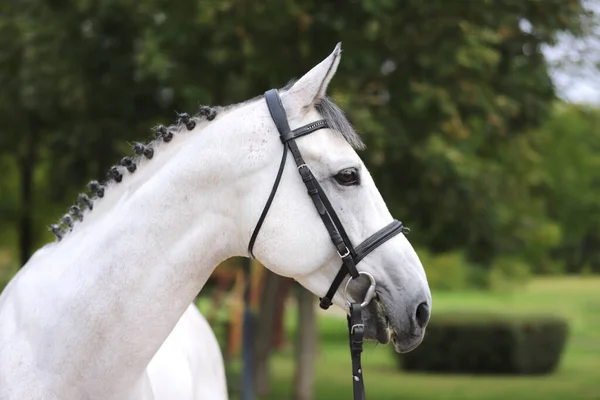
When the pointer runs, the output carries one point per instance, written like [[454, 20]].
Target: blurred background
[[482, 123]]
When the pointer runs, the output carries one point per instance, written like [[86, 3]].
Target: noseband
[[349, 254]]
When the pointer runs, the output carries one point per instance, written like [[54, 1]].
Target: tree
[[567, 149], [306, 345], [60, 64], [435, 87], [272, 294]]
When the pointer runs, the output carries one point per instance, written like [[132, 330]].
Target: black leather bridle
[[349, 254]]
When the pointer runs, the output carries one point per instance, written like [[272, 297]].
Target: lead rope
[[356, 331]]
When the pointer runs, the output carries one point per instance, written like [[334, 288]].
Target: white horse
[[189, 364], [87, 316]]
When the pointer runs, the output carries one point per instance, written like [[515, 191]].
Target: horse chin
[[377, 323], [379, 328]]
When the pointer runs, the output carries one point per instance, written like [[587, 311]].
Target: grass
[[577, 377]]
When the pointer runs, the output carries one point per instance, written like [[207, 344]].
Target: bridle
[[349, 254]]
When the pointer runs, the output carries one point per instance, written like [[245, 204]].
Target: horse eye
[[347, 177]]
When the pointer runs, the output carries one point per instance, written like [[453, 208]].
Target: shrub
[[446, 271], [507, 272], [491, 343], [452, 270]]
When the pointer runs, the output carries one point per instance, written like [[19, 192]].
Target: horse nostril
[[422, 315]]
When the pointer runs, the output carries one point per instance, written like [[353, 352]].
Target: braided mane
[[329, 111], [97, 188]]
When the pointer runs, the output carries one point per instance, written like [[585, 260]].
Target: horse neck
[[117, 285]]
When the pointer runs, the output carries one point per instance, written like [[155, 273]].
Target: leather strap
[[277, 111], [280, 118], [305, 130], [338, 224], [376, 240], [265, 210], [356, 331], [328, 216], [360, 252]]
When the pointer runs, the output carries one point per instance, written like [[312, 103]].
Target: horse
[[189, 364], [114, 290]]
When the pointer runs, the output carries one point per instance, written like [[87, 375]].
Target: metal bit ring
[[370, 292]]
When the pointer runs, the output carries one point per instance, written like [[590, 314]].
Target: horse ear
[[313, 85]]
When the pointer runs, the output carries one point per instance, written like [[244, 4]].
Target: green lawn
[[578, 376]]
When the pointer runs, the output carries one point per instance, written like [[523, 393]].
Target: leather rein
[[349, 255]]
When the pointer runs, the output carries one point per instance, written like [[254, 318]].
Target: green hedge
[[489, 344]]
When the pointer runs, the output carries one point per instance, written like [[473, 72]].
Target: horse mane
[[330, 112], [163, 135]]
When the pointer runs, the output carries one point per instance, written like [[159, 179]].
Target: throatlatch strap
[[334, 227], [265, 210], [280, 119], [356, 331]]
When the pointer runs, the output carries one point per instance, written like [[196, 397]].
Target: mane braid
[[97, 189], [330, 112]]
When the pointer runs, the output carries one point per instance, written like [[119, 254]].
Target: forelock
[[337, 121]]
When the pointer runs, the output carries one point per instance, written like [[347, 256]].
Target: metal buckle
[[346, 254], [302, 165], [370, 292], [356, 326]]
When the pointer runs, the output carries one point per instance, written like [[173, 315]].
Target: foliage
[[506, 272], [7, 269], [569, 165], [447, 271], [445, 93], [489, 344], [70, 92]]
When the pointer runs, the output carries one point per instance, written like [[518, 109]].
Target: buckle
[[357, 332], [370, 292], [302, 165], [346, 254], [357, 326]]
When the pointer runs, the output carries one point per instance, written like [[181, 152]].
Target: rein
[[349, 255]]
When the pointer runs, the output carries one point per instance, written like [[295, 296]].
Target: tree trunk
[[237, 314], [270, 297], [279, 333], [306, 346]]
